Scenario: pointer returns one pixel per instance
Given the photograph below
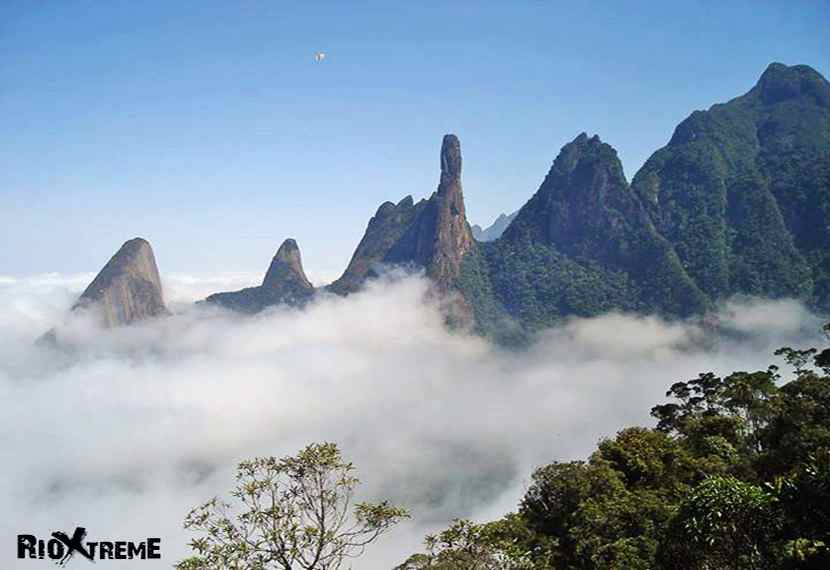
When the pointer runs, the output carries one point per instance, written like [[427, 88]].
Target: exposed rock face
[[286, 269], [493, 231], [432, 234], [384, 230], [285, 282], [128, 288], [444, 249]]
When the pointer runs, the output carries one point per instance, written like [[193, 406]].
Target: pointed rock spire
[[287, 265], [450, 159], [432, 234], [285, 283], [451, 237], [128, 288]]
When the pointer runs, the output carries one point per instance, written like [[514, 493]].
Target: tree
[[735, 475], [731, 411], [292, 513], [551, 506], [804, 498], [724, 523], [506, 544]]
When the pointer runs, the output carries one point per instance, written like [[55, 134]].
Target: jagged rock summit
[[128, 288], [385, 228], [432, 234], [285, 282]]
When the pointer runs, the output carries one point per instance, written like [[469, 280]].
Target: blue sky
[[207, 128]]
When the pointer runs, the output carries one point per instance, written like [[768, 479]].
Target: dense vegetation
[[583, 245], [736, 474], [738, 202], [738, 189]]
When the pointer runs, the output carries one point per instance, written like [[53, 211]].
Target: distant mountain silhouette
[[494, 230]]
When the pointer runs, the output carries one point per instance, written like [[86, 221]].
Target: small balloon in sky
[[319, 56]]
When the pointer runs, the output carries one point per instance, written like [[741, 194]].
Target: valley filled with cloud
[[124, 430]]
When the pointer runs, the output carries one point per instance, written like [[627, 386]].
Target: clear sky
[[208, 128]]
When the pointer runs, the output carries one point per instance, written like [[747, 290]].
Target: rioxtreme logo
[[62, 547]]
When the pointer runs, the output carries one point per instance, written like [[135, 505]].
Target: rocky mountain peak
[[452, 237], [450, 159], [286, 264], [583, 191], [740, 189], [585, 152], [285, 283], [406, 202], [128, 288], [432, 233], [582, 243], [780, 82], [439, 235], [385, 229]]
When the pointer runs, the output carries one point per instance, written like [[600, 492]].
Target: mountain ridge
[[737, 202]]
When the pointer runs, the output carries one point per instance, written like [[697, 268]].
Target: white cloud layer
[[132, 427]]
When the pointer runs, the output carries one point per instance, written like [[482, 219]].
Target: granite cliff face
[[286, 272], [439, 236], [432, 234], [384, 230], [285, 282], [128, 288]]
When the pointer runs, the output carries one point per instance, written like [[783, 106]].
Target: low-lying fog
[[124, 434]]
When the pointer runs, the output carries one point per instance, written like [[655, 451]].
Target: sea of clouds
[[127, 429]]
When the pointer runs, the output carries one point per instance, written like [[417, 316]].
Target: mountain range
[[737, 202]]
